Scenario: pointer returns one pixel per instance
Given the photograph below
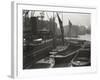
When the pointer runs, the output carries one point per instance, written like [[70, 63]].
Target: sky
[[75, 18]]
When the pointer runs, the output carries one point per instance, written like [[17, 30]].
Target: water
[[81, 37], [85, 37]]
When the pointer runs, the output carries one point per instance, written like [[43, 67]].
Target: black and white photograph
[[56, 39], [52, 40]]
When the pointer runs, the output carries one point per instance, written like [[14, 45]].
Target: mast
[[61, 28], [53, 30], [70, 26]]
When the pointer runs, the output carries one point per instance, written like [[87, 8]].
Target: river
[[81, 37]]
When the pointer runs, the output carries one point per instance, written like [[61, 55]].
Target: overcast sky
[[75, 18]]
